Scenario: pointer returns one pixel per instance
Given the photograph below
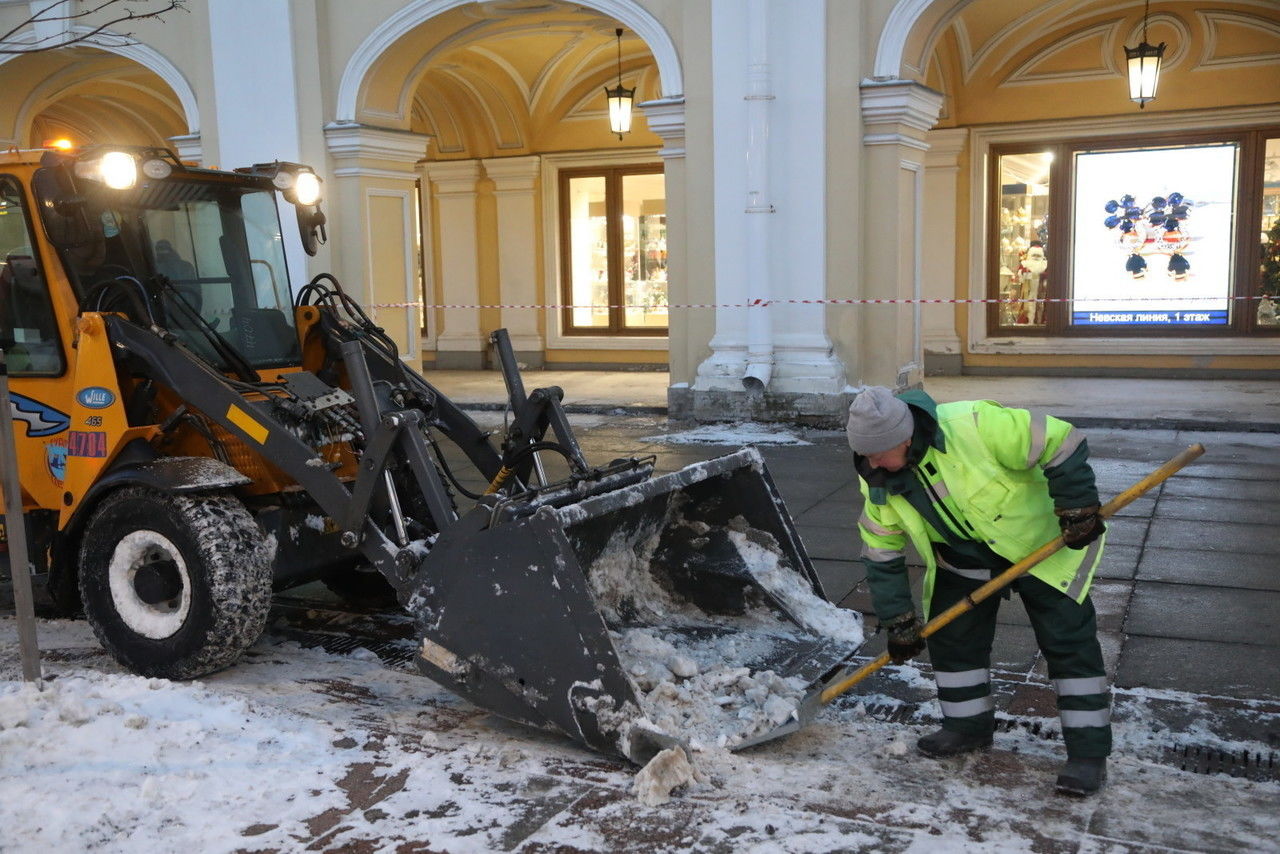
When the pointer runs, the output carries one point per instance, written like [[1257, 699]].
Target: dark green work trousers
[[1067, 634]]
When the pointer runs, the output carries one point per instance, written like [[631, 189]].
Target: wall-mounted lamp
[[620, 99], [1144, 66]]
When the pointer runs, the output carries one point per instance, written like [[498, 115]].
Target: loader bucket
[[680, 609]]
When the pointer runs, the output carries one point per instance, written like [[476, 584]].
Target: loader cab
[[198, 252]]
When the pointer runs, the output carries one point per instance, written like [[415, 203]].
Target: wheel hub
[[158, 582], [150, 585]]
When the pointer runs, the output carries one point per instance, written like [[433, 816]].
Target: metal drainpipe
[[759, 368]]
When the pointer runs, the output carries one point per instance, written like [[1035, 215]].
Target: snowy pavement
[[299, 749], [295, 748]]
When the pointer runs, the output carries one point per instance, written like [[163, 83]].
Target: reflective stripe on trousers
[[966, 683]]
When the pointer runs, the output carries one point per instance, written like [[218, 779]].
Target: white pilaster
[[724, 368], [189, 147], [942, 349], [804, 360], [770, 189], [514, 182], [460, 343], [255, 101], [896, 116], [375, 176]]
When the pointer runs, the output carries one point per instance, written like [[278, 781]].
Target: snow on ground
[[730, 434], [294, 748]]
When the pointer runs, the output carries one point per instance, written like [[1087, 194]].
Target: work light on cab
[[306, 188], [115, 169]]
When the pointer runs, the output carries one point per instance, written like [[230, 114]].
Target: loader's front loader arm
[[251, 414]]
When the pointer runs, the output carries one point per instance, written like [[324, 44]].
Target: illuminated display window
[[1112, 238]]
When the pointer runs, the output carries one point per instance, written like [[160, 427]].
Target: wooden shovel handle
[[1020, 568]]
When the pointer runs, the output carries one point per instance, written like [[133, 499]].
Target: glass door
[[614, 251]]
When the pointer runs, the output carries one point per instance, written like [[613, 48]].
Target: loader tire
[[175, 586]]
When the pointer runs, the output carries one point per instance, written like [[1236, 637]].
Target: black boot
[[1082, 775], [947, 742]]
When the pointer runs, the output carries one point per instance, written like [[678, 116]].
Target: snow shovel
[[600, 617], [843, 682]]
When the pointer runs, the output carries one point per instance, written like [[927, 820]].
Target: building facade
[[814, 194]]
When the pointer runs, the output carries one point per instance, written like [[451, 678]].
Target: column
[[896, 114], [460, 345], [256, 103], [514, 182], [666, 118], [804, 361], [374, 200], [942, 349]]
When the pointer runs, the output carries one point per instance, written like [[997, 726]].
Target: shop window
[[1111, 238], [1267, 312], [614, 251], [1023, 247], [27, 322]]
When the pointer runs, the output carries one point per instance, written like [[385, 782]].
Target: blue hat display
[[878, 421]]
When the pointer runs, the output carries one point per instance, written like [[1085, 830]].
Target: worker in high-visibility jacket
[[974, 487]]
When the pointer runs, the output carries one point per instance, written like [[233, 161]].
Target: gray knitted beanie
[[878, 421]]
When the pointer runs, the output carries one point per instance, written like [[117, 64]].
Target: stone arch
[[146, 56], [902, 37], [636, 18]]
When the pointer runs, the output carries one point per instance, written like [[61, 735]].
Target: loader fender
[[137, 464]]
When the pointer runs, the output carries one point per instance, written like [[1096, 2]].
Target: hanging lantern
[[620, 98], [1144, 66]]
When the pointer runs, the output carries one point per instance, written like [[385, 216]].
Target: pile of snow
[[148, 756], [703, 679], [736, 435]]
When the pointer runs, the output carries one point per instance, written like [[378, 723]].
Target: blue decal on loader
[[96, 397], [41, 420]]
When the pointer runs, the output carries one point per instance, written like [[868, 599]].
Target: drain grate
[[396, 654], [1263, 767]]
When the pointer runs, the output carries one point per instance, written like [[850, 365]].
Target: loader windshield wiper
[[230, 355]]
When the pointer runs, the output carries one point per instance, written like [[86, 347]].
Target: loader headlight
[[300, 185], [306, 188], [116, 169]]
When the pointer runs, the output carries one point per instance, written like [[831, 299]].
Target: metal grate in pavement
[[1251, 765], [396, 654]]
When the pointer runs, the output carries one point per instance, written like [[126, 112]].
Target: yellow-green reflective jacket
[[992, 471]]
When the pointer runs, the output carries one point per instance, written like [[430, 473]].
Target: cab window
[[28, 326]]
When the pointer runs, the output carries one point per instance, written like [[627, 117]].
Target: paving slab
[[1118, 561], [831, 514], [838, 577], [1231, 537], [1218, 509], [1210, 568], [1126, 531], [1207, 487], [829, 542], [1198, 612], [1217, 668]]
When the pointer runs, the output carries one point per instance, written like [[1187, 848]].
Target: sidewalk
[[1155, 404]]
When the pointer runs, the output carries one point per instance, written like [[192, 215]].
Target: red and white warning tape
[[764, 303]]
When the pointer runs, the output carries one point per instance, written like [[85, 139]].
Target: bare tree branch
[[122, 13]]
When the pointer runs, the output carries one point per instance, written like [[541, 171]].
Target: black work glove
[[904, 637], [1080, 525]]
